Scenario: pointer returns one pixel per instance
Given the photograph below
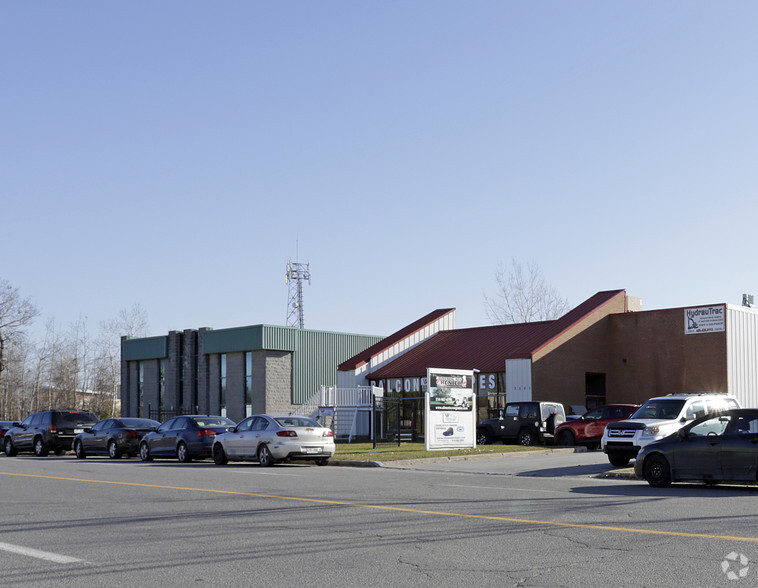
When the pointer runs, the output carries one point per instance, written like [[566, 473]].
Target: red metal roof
[[377, 348], [486, 348]]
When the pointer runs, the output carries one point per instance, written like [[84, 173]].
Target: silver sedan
[[273, 438]]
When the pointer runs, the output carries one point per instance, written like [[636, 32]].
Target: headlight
[[650, 431]]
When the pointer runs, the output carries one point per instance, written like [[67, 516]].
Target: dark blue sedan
[[113, 437], [185, 437], [715, 448]]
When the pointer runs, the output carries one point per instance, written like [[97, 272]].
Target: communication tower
[[296, 274]]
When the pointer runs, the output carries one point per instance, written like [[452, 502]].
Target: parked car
[[46, 431], [113, 437], [588, 428], [714, 448], [528, 423], [184, 437], [4, 426], [273, 438], [657, 418]]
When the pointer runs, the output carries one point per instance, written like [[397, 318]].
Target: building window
[[222, 372], [248, 383], [140, 387], [594, 390], [161, 385]]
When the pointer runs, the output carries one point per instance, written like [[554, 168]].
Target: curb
[[624, 474], [449, 458]]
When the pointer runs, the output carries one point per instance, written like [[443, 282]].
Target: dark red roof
[[366, 355], [486, 348]]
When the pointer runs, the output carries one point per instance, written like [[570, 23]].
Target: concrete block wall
[[278, 383]]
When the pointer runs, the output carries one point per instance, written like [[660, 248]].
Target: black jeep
[[527, 423]]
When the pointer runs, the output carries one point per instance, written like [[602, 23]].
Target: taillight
[[328, 433], [53, 428], [206, 433], [286, 434], [131, 434]]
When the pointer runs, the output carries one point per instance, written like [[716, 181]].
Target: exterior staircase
[[350, 409]]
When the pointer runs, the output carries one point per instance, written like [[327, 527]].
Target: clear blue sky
[[177, 154]]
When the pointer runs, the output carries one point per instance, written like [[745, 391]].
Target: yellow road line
[[396, 508]]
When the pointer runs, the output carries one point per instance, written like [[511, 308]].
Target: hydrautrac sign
[[450, 409], [705, 319]]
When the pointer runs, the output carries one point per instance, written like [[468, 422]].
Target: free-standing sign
[[450, 409]]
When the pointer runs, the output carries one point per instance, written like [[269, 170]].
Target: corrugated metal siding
[[252, 338], [742, 354], [518, 380], [318, 353], [280, 338]]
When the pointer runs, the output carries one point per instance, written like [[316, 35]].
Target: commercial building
[[606, 350], [233, 372]]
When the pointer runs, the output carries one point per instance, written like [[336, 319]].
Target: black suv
[[528, 423], [46, 431]]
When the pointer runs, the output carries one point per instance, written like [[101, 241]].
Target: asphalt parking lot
[[547, 519]]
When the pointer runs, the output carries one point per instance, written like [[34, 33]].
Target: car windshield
[[74, 418], [668, 408], [295, 421], [139, 423], [214, 422]]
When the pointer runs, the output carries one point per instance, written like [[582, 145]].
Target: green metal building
[[233, 372]]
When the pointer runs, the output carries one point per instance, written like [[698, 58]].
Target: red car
[[588, 428]]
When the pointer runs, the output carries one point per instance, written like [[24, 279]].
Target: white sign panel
[[705, 319], [450, 409]]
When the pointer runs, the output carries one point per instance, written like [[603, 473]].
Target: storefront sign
[[705, 319], [450, 409]]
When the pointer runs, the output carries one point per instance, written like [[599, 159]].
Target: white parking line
[[46, 555]]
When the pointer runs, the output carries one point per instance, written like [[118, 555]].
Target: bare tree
[[523, 296], [131, 322], [15, 313]]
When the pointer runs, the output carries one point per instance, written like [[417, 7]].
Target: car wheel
[[219, 455], [182, 453], [657, 471], [619, 460], [10, 450], [322, 461], [264, 456], [566, 438], [483, 437], [113, 450], [526, 437], [40, 447], [79, 450], [144, 452]]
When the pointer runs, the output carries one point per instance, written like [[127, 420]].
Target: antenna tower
[[296, 274]]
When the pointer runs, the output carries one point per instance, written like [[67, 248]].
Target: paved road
[[544, 520]]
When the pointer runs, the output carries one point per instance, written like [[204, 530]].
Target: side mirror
[[232, 429], [682, 434]]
